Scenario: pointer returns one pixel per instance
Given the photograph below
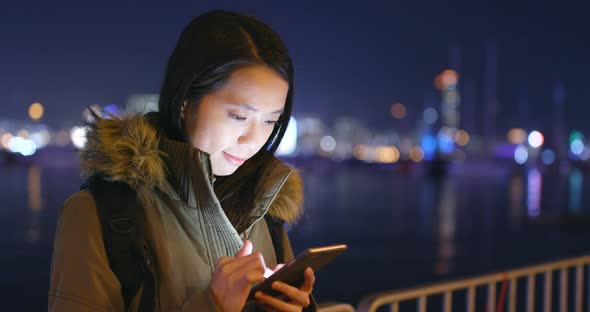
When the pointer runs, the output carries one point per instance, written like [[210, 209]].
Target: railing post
[[548, 291], [512, 296], [579, 287], [563, 290], [580, 266], [492, 297], [422, 304], [588, 281], [394, 307], [448, 302], [470, 299], [530, 293]]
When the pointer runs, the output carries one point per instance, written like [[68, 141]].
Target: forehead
[[258, 86]]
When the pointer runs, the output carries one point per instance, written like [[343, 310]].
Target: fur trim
[[288, 204], [126, 150]]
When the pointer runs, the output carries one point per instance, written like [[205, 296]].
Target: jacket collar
[[130, 150]]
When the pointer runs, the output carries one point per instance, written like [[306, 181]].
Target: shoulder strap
[[275, 228], [119, 213]]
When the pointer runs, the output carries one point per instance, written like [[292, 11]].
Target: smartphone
[[292, 272]]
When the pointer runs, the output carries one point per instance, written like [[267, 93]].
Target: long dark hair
[[210, 48]]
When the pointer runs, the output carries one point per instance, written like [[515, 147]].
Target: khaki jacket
[[128, 150]]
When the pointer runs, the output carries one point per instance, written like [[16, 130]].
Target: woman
[[212, 197]]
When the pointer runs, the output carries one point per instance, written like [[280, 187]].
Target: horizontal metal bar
[[372, 302]]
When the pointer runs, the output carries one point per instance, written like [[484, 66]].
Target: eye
[[272, 122], [236, 117]]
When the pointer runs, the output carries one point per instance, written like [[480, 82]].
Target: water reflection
[[472, 221], [516, 197], [575, 190], [446, 209], [534, 181], [35, 204]]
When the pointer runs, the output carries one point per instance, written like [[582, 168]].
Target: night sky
[[350, 59]]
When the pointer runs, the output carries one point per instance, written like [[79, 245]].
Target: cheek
[[212, 136], [265, 136], [202, 139]]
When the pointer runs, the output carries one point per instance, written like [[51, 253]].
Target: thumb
[[245, 250]]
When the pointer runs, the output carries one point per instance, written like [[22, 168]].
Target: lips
[[237, 161]]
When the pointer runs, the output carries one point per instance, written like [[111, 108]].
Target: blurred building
[[142, 103]]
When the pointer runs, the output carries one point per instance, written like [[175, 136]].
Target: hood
[[127, 149]]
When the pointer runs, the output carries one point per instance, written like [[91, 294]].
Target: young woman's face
[[232, 123]]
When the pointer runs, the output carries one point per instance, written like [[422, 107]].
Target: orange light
[[36, 111], [23, 134], [5, 139], [462, 137], [398, 110], [387, 154], [361, 152], [450, 77], [517, 136], [416, 154], [447, 78]]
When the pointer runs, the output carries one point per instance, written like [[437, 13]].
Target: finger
[[245, 276], [296, 295], [246, 249], [275, 303], [243, 263], [248, 263], [222, 261], [265, 307], [307, 286], [252, 277]]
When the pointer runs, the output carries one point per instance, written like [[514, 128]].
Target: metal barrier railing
[[393, 298]]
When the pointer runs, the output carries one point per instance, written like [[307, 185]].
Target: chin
[[224, 171]]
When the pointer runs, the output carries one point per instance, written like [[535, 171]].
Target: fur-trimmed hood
[[128, 149]]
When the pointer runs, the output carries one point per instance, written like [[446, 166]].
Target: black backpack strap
[[119, 212], [275, 228]]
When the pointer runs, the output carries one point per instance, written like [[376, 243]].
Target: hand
[[296, 298], [234, 276]]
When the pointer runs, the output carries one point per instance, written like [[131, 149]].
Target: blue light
[[112, 109], [521, 154], [445, 144], [548, 157], [577, 147], [428, 144], [430, 115]]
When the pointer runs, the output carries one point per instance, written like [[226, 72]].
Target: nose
[[251, 137]]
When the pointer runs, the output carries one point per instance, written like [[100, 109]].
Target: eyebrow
[[254, 109]]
